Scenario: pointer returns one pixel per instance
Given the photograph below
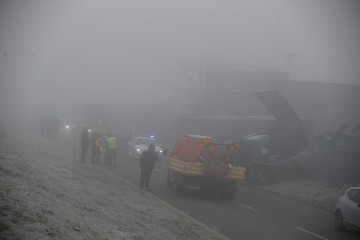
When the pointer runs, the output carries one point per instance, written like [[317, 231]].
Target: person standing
[[111, 145], [84, 143], [106, 147], [147, 163], [96, 147]]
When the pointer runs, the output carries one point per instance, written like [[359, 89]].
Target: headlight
[[138, 150], [160, 151]]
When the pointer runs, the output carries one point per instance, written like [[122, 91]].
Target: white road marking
[[245, 206], [304, 230]]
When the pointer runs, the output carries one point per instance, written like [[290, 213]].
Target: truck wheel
[[178, 189], [169, 183]]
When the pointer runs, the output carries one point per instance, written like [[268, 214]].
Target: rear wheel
[[339, 221]]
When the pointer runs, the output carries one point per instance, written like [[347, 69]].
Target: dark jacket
[[148, 159], [85, 139]]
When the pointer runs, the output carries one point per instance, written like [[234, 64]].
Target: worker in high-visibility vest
[[111, 147], [96, 146]]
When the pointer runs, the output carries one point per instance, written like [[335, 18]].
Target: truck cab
[[200, 164]]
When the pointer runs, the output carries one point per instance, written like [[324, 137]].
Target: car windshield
[[145, 141]]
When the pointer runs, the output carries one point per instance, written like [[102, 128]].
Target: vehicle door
[[353, 210]]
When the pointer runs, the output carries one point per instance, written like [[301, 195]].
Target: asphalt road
[[253, 214]]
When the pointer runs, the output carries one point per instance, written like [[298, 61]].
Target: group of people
[[97, 146], [95, 141]]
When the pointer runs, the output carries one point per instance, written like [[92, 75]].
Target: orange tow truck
[[198, 163]]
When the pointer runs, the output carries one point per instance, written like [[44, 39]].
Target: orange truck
[[198, 163]]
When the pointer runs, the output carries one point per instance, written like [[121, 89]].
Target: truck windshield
[[215, 150]]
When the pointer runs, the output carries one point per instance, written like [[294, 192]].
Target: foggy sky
[[61, 54]]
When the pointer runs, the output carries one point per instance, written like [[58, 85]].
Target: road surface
[[253, 214]]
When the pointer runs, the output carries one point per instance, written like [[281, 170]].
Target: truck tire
[[178, 188], [169, 183]]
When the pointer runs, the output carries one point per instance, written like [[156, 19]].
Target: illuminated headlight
[[67, 126], [160, 151], [138, 150]]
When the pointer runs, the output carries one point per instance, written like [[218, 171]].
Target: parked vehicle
[[333, 156], [272, 152], [198, 163], [347, 212], [139, 144]]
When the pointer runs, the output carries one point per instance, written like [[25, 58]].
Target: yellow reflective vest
[[111, 142]]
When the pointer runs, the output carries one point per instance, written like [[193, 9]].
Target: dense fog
[[59, 55], [245, 113]]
